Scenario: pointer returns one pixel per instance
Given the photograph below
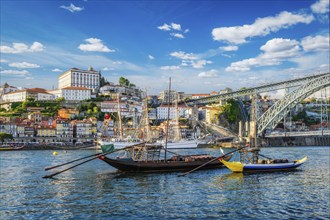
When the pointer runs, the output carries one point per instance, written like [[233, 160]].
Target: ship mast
[[168, 116], [177, 124], [147, 126], [120, 126]]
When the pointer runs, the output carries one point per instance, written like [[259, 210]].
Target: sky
[[203, 46]]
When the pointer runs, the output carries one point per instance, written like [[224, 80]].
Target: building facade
[[21, 95], [72, 93], [80, 78], [163, 109]]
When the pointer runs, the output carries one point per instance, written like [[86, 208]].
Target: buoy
[[55, 153]]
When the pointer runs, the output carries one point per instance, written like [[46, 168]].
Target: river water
[[96, 191]]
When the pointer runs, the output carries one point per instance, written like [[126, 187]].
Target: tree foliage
[[4, 136], [125, 82], [231, 111], [103, 81]]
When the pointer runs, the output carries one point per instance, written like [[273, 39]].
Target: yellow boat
[[273, 165]]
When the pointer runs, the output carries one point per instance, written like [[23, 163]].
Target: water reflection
[[230, 181]]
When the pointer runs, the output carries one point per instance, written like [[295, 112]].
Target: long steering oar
[[217, 158], [99, 155], [49, 168]]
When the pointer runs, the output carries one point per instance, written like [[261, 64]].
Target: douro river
[[96, 191]]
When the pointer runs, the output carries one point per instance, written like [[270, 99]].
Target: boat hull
[[11, 148], [128, 165], [238, 167]]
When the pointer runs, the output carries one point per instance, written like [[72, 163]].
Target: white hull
[[116, 144], [184, 144]]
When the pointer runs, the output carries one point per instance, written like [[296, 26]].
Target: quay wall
[[296, 141]]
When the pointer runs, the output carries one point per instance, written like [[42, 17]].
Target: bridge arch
[[281, 108]]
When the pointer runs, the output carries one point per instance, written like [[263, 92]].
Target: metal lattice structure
[[282, 107], [259, 89]]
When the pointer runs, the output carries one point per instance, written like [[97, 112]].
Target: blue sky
[[203, 46]]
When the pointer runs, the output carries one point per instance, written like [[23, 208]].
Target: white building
[[126, 109], [21, 95], [72, 93], [80, 78], [163, 109], [5, 88]]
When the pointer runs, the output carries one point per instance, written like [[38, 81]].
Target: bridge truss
[[282, 107], [307, 86], [259, 89]]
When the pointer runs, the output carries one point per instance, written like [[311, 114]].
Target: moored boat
[[268, 166], [146, 158], [11, 147]]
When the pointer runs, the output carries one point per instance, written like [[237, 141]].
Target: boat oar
[[210, 161], [49, 168], [99, 155], [265, 156]]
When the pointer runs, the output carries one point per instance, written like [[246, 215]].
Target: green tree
[[231, 110], [95, 110], [103, 81], [123, 81], [91, 106], [4, 136]]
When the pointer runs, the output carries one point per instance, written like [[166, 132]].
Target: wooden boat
[[269, 166], [146, 158], [249, 157], [11, 147]]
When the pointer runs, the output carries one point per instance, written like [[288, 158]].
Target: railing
[[324, 132]]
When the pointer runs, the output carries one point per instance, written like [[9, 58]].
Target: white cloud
[[229, 48], [15, 72], [200, 63], [72, 8], [274, 52], [261, 27], [184, 56], [177, 35], [175, 29], [169, 67], [320, 7], [280, 48], [3, 61], [317, 43], [117, 62], [151, 57], [208, 74], [94, 44], [22, 48], [24, 65], [36, 46], [165, 27], [190, 59], [56, 70]]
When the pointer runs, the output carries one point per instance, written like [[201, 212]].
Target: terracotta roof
[[33, 90]]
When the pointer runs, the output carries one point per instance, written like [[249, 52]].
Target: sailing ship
[[152, 157], [119, 142], [249, 156], [177, 142]]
